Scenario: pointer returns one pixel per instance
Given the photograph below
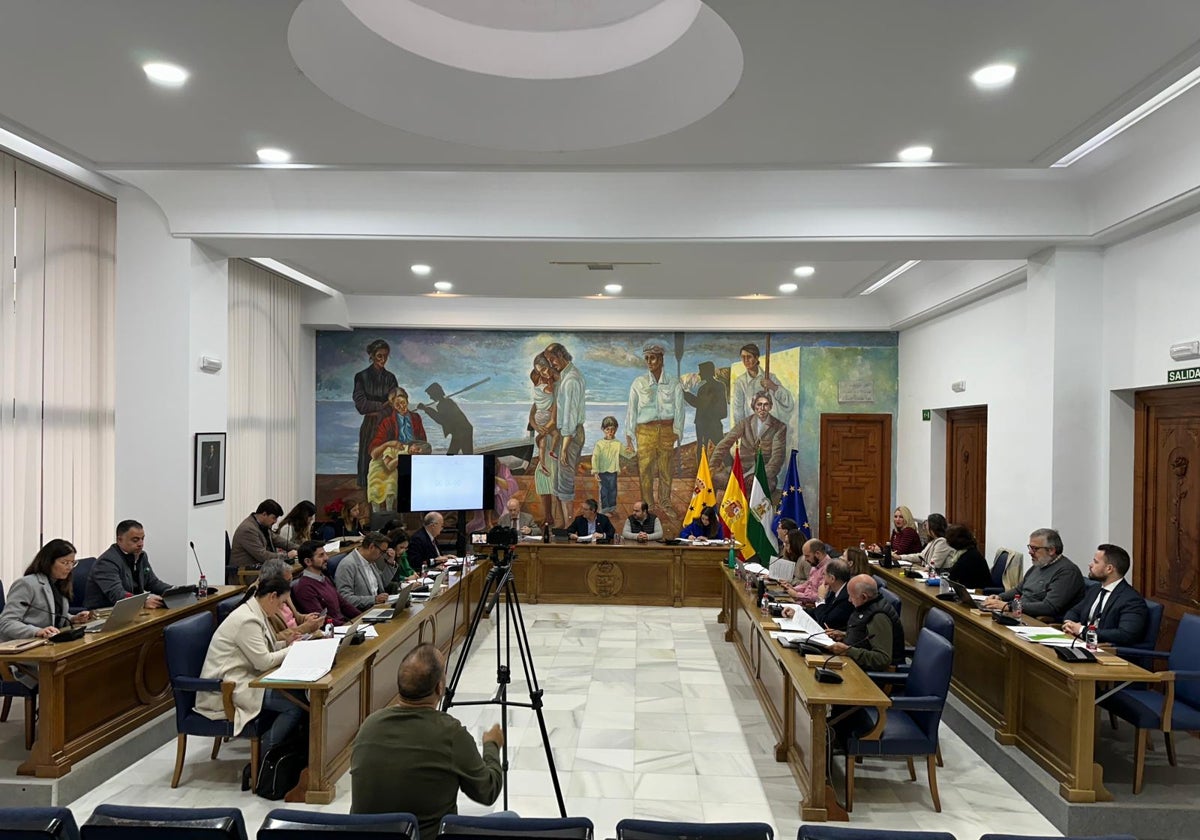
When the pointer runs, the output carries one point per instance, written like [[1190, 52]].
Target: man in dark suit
[[590, 522], [835, 611], [422, 548], [1116, 608]]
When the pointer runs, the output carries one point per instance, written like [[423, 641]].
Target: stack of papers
[[800, 622], [306, 661], [1045, 636], [588, 538], [782, 568], [821, 639], [755, 568]]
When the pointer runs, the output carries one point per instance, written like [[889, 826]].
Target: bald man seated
[[874, 637], [414, 757]]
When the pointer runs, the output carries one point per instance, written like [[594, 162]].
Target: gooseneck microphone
[[824, 674], [60, 621], [197, 557]]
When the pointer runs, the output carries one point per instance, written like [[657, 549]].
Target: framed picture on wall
[[209, 475]]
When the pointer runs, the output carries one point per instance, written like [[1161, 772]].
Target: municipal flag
[[758, 527], [703, 494]]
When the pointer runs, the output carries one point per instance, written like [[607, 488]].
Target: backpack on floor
[[281, 769]]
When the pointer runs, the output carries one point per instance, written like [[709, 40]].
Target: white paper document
[[306, 661], [1045, 636], [821, 639], [755, 568], [783, 568], [801, 622]]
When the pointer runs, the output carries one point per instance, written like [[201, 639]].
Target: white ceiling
[[826, 85]]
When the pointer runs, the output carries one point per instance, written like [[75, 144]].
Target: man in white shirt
[[656, 415], [755, 379]]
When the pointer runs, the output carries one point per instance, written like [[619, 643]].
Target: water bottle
[[202, 586], [328, 630], [887, 555], [1017, 609], [732, 559], [862, 545], [1091, 638], [546, 531]]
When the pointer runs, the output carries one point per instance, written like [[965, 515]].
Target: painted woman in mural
[[400, 432], [543, 418], [371, 387]]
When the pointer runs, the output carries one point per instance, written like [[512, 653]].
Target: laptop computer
[[958, 593], [425, 592], [179, 596], [377, 615], [123, 614], [354, 630]]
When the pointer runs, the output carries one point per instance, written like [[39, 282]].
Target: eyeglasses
[[1034, 549], [73, 563]]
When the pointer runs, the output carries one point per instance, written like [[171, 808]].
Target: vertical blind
[[57, 371], [264, 346]]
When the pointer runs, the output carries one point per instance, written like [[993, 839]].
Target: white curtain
[[264, 369], [57, 380]]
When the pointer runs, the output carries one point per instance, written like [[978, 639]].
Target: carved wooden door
[[1166, 561], [856, 479], [966, 469]]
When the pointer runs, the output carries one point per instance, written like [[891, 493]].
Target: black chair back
[[38, 824], [124, 822], [79, 581], [656, 830], [289, 824], [840, 832]]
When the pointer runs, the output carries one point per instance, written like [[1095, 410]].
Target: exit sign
[[1191, 374], [925, 411]]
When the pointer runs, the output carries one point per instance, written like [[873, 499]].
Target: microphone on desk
[[57, 619], [824, 674]]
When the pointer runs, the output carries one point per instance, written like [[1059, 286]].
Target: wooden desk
[[796, 705], [363, 679], [1034, 700], [98, 689], [647, 574]]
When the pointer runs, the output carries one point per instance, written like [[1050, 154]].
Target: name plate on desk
[[813, 660]]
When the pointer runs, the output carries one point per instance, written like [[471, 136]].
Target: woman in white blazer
[[38, 604], [243, 647]]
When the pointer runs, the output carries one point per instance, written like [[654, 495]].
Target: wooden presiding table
[[797, 706], [96, 690], [1033, 699], [363, 679], [646, 574]]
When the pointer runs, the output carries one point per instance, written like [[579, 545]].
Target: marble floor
[[649, 715]]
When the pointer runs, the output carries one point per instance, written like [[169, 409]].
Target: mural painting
[[617, 417]]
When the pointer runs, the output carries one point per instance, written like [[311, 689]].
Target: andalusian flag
[[734, 507], [758, 528], [703, 494]]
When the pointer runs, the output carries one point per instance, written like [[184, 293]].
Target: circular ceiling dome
[[536, 75]]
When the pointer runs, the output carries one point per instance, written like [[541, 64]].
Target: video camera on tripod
[[500, 539]]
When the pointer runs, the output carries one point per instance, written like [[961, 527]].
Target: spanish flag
[[735, 510], [703, 494]]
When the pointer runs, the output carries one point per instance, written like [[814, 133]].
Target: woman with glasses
[[38, 605]]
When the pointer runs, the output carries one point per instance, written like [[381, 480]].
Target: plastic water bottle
[[202, 586], [732, 559], [1017, 609], [1091, 638]]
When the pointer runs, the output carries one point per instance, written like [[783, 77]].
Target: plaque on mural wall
[[856, 391]]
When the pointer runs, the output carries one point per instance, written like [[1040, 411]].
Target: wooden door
[[1166, 502], [856, 479], [966, 469]]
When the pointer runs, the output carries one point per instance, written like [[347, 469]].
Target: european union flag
[[791, 503]]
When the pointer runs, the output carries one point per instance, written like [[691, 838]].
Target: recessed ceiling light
[[915, 154], [889, 277], [613, 288], [443, 285], [994, 76], [167, 75], [804, 271], [420, 269], [270, 155], [788, 288]]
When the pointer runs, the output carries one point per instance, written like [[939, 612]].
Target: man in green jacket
[[414, 757]]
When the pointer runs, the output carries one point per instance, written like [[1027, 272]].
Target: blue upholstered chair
[[334, 562], [846, 832], [893, 599], [226, 606], [940, 622], [79, 582], [186, 644], [288, 824], [11, 687], [1176, 709], [911, 726], [1006, 571], [38, 824], [516, 828], [131, 822], [655, 830], [1072, 837]]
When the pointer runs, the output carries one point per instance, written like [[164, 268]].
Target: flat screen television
[[445, 482]]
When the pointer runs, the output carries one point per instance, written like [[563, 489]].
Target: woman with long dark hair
[[706, 526], [38, 604], [296, 527]]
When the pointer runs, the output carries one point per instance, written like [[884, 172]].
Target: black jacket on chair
[[1122, 619]]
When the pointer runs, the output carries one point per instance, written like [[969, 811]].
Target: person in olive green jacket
[[414, 757]]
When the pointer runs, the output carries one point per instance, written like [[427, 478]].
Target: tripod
[[500, 582]]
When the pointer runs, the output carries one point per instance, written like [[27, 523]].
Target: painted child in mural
[[543, 418], [371, 388], [400, 432], [606, 464]]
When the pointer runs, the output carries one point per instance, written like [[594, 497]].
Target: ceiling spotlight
[[274, 155], [443, 285], [994, 76], [915, 154], [167, 75], [420, 269], [788, 288], [804, 271], [613, 288]]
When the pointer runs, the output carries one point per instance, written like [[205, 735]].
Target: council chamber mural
[[617, 417]]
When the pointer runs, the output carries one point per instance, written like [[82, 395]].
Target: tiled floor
[[650, 715]]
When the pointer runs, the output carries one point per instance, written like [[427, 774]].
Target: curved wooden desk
[[1035, 701], [98, 689]]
